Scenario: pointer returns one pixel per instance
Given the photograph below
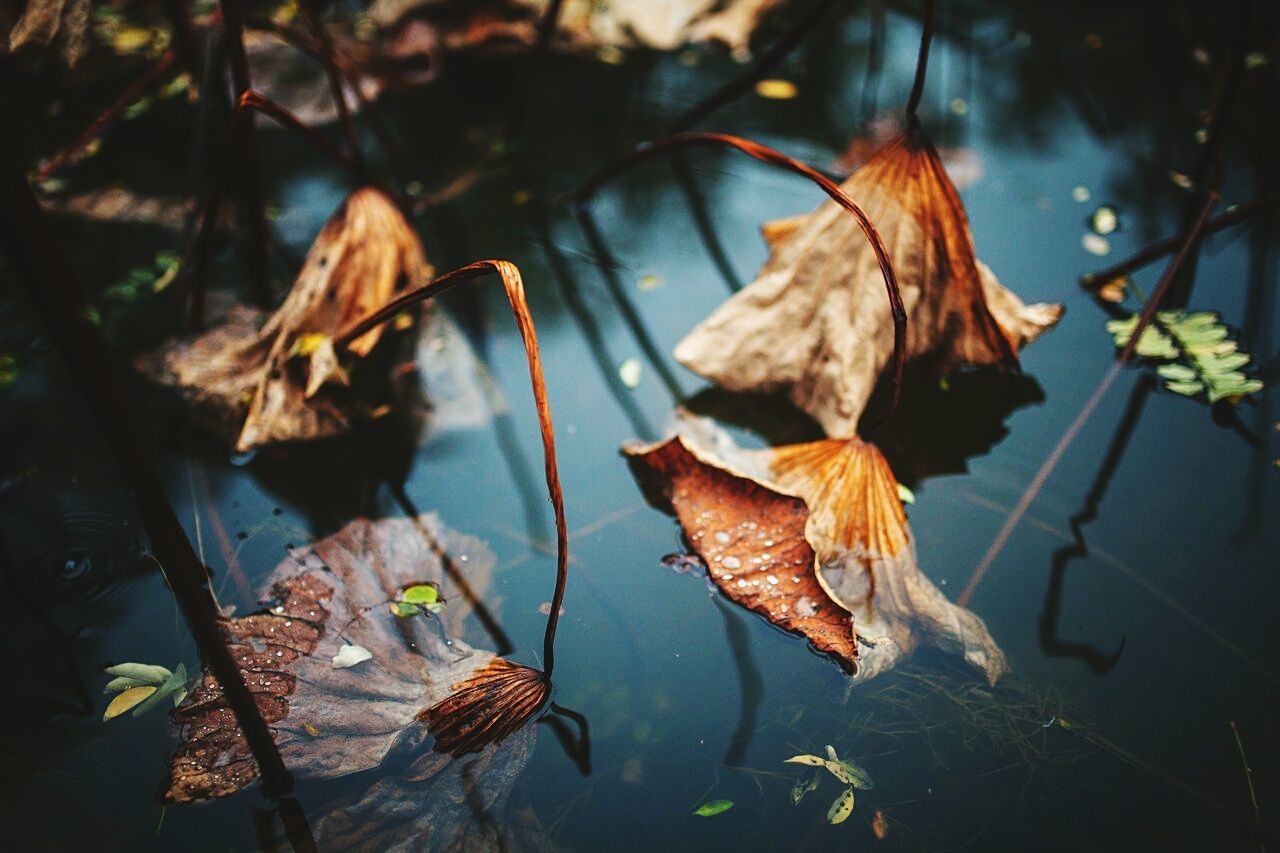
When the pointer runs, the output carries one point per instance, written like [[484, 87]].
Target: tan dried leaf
[[365, 254], [45, 22], [815, 321], [590, 25], [852, 520], [328, 721]]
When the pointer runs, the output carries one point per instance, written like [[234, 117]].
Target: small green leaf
[[857, 777], [1186, 389], [841, 808], [1176, 373], [174, 684], [144, 673], [906, 495], [404, 610], [123, 682], [422, 593], [1222, 363], [8, 369], [711, 808]]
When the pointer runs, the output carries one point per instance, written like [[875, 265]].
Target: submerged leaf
[[815, 321], [804, 786], [711, 808], [319, 602], [283, 382]]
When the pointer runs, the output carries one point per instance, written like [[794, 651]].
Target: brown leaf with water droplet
[[752, 540], [331, 722], [815, 322], [286, 381], [834, 503]]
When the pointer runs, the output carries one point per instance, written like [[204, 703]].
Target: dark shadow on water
[[750, 682], [578, 749], [1097, 660]]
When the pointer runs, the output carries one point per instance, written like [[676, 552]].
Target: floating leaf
[[747, 515], [404, 610], [811, 760], [320, 599], [174, 687], [1186, 389], [422, 593], [127, 699], [244, 374], [841, 808], [143, 673], [1199, 356], [776, 90], [816, 323], [711, 808], [350, 655]]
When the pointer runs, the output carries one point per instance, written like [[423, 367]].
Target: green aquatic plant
[[142, 686], [1195, 354], [711, 808], [847, 772]]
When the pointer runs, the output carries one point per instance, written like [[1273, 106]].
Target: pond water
[[688, 698]]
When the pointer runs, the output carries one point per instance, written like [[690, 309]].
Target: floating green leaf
[[142, 673], [1198, 354], [404, 610], [711, 808], [423, 593]]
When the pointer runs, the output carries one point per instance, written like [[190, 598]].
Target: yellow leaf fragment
[[127, 700]]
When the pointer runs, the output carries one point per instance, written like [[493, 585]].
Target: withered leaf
[[256, 378], [46, 22], [815, 321], [588, 25], [331, 722], [864, 561], [752, 539]]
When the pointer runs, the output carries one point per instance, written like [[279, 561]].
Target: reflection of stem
[[579, 749], [42, 265], [1189, 243], [321, 33], [501, 642], [749, 681], [1099, 662], [768, 60], [608, 267], [514, 286], [1160, 248], [701, 219], [572, 296], [251, 166], [537, 59], [774, 158], [152, 76], [1248, 777]]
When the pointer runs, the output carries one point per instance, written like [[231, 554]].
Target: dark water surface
[[689, 698]]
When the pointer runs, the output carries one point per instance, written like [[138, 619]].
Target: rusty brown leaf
[[815, 323], [751, 538], [831, 504], [331, 722], [284, 382]]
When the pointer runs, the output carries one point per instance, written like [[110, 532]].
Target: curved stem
[[775, 158], [514, 285], [922, 61]]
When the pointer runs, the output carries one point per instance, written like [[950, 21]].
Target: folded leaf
[[815, 321]]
